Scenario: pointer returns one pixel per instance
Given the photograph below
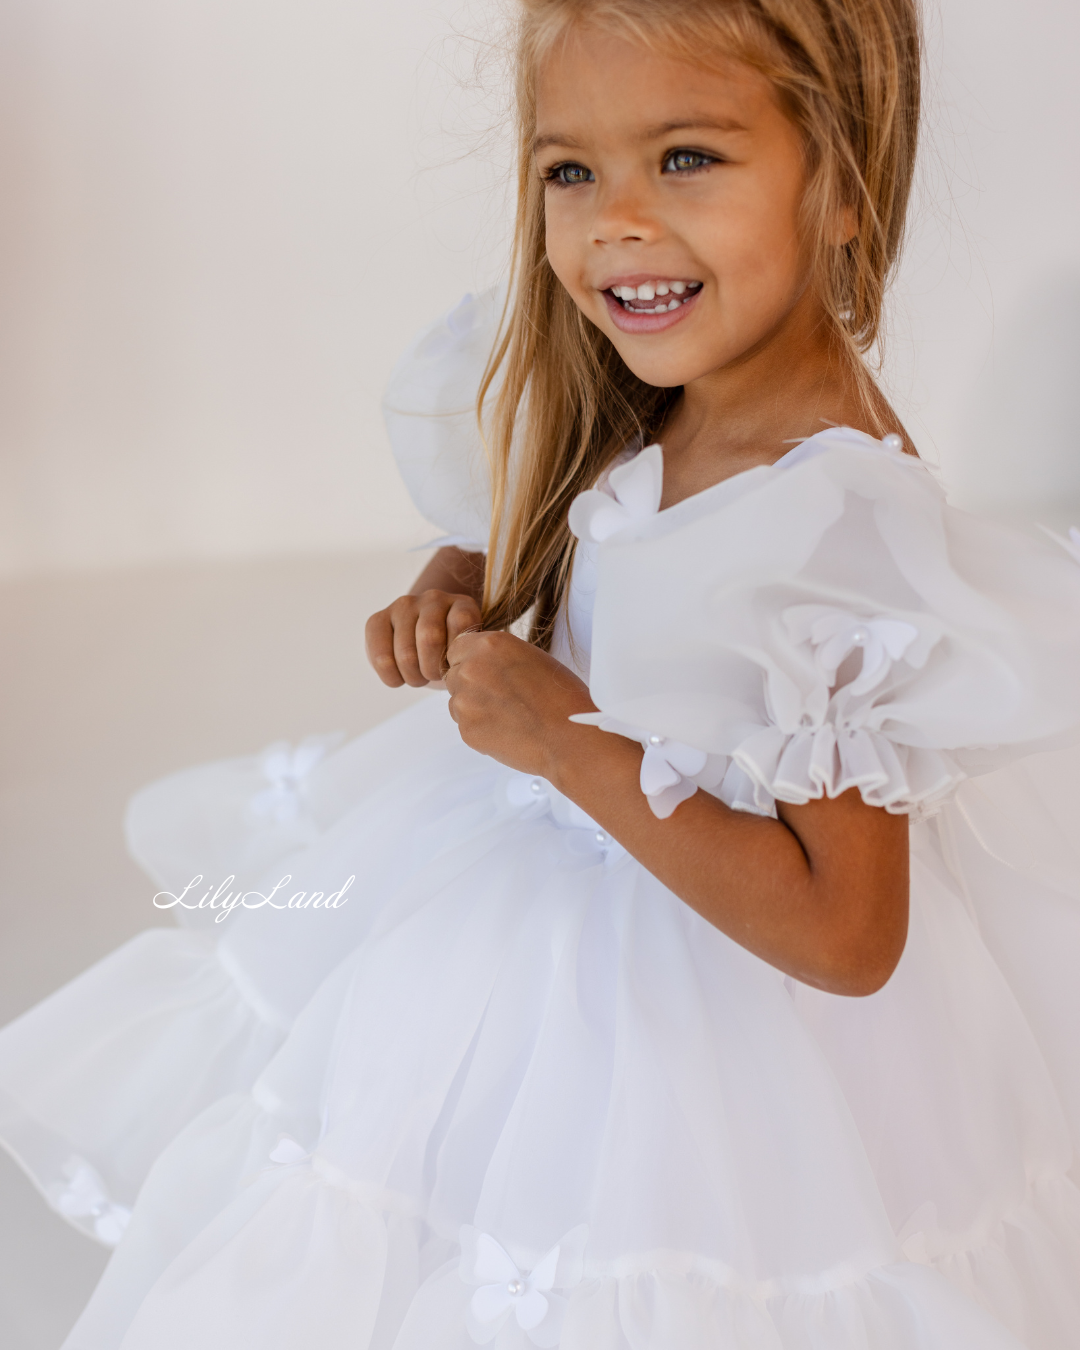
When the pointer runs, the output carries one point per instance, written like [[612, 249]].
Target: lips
[[650, 306]]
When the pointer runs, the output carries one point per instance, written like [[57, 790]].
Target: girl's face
[[672, 197]]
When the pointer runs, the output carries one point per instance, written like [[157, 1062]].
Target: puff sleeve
[[429, 408], [824, 624]]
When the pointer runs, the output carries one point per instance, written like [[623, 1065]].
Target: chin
[[666, 371]]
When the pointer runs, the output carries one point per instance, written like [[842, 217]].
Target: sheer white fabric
[[824, 624], [430, 412], [515, 1093]]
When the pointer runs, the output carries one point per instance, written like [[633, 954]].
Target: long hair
[[848, 74]]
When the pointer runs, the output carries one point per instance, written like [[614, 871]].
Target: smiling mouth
[[655, 297]]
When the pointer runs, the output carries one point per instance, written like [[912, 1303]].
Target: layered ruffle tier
[[517, 1035]]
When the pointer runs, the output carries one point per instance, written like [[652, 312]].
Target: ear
[[845, 226]]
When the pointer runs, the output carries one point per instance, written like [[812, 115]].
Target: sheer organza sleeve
[[824, 624], [430, 411]]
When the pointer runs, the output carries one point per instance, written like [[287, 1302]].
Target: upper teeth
[[649, 290]]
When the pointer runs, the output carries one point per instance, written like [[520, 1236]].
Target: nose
[[624, 216]]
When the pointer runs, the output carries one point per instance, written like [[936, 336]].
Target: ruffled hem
[[160, 1021], [369, 1274], [298, 1252], [897, 1307], [1023, 1265], [824, 762], [772, 765]]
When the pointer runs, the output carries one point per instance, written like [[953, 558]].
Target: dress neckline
[[806, 449], [810, 448]]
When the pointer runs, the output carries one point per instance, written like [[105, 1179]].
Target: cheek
[[772, 257], [561, 233], [756, 247], [777, 221]]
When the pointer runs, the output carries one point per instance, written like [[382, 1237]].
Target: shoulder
[[832, 622]]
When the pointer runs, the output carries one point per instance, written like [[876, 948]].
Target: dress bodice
[[572, 642]]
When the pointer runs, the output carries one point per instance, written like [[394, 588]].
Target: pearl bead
[[656, 740], [859, 636], [536, 785], [601, 837], [515, 1288], [893, 442]]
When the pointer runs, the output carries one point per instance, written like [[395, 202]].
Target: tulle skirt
[[506, 1089]]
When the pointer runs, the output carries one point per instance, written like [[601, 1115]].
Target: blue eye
[[686, 161], [570, 175]]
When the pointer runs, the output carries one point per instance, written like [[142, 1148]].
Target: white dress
[[509, 1090]]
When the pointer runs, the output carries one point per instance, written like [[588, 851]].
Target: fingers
[[407, 642], [379, 644], [457, 652], [405, 616], [438, 623], [459, 649], [442, 617], [464, 617]]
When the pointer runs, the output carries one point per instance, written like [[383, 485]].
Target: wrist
[[560, 753], [578, 756]]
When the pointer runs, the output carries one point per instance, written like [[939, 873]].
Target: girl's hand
[[512, 701], [821, 892], [407, 641]]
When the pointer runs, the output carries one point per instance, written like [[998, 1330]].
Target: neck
[[791, 384]]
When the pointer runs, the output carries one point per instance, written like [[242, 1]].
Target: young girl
[[701, 972]]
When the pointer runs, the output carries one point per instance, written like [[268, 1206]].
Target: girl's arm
[[406, 642], [821, 893]]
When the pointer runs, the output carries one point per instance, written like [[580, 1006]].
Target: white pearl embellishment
[[601, 837], [892, 441], [836, 633], [503, 1292], [656, 740], [536, 785]]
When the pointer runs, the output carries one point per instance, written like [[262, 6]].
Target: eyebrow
[[647, 133]]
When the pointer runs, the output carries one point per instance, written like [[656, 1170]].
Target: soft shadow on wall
[[1024, 411]]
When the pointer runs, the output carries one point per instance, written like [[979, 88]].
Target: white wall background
[[985, 359], [221, 219]]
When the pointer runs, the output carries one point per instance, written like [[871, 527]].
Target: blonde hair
[[848, 74]]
